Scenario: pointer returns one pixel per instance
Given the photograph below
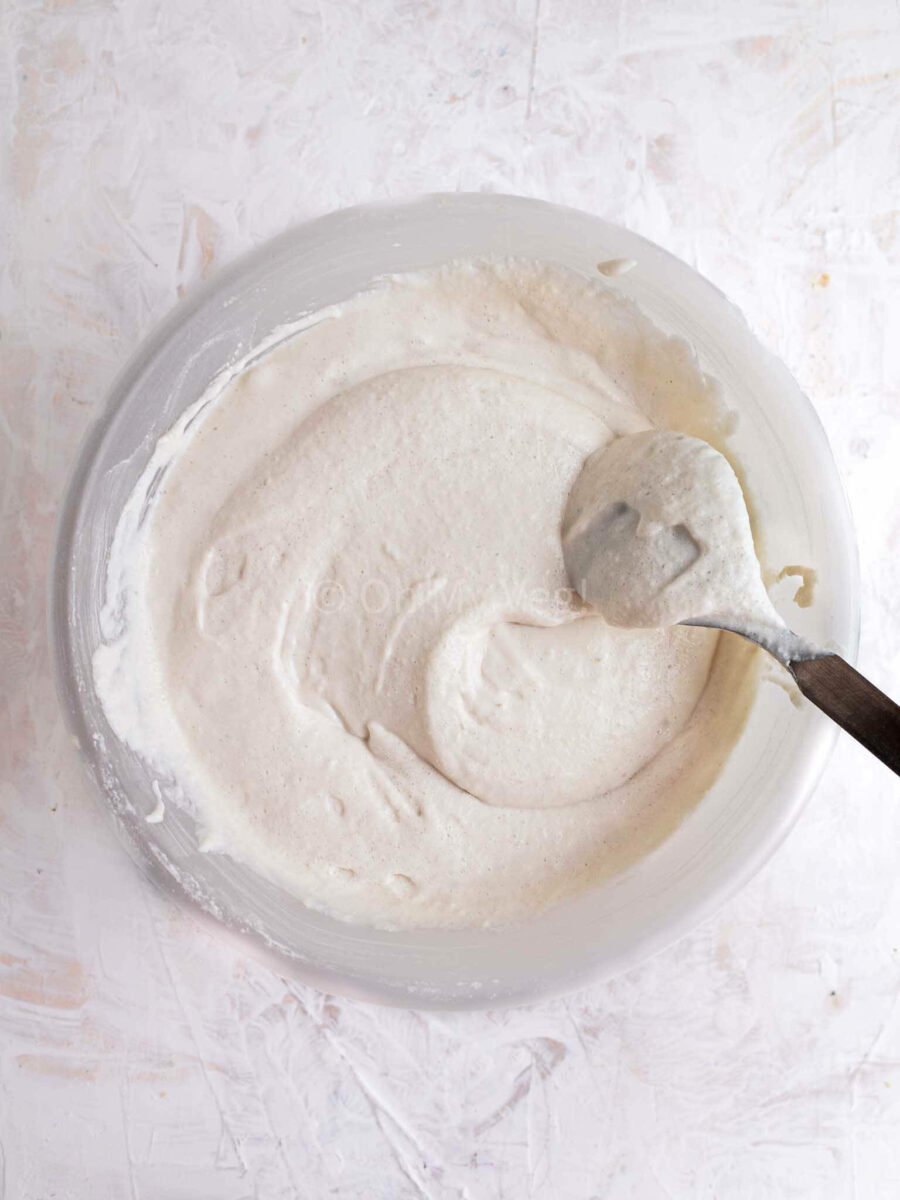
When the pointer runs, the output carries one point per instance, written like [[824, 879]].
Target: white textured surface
[[147, 142]]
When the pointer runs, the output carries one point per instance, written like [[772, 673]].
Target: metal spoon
[[642, 544]]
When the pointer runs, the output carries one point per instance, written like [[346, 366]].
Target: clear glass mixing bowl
[[739, 823]]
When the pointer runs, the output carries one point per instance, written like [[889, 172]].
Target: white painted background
[[145, 142]]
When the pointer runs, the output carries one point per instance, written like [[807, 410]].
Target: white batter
[[339, 616]]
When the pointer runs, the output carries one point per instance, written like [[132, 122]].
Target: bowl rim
[[667, 930]]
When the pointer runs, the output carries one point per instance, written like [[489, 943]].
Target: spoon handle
[[853, 702]]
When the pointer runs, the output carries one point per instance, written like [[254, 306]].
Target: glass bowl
[[798, 499]]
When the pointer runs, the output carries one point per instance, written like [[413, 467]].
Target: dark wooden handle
[[855, 704]]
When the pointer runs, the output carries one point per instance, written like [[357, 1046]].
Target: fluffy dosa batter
[[338, 614]]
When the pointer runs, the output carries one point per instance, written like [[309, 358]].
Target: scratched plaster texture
[[143, 144]]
